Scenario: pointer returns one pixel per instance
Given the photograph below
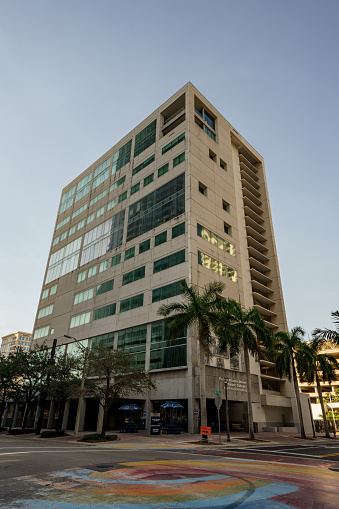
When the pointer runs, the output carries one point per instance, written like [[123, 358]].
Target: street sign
[[205, 430], [217, 393], [195, 412], [218, 402]]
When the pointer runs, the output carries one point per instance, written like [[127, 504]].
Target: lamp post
[[227, 414], [82, 386]]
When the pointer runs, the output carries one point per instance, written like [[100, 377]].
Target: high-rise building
[[14, 342], [182, 196]]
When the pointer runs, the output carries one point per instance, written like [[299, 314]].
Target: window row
[[217, 267], [215, 240]]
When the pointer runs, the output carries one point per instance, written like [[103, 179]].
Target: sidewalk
[[186, 440]]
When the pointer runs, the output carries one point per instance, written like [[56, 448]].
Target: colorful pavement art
[[201, 484]]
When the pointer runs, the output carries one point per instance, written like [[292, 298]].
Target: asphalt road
[[38, 474]]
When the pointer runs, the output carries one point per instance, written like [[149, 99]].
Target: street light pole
[[82, 386]]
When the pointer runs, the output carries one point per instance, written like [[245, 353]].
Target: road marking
[[333, 454], [282, 452]]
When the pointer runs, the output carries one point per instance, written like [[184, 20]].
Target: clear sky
[[78, 75]]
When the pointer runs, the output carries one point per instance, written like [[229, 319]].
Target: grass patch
[[52, 433], [97, 437]]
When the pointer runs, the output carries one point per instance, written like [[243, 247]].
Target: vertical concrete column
[[148, 408], [82, 414], [100, 419], [148, 347], [51, 415], [4, 418], [65, 416], [15, 416]]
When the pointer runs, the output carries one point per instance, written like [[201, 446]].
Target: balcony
[[255, 234], [258, 285], [257, 255], [256, 244], [259, 276], [253, 215], [256, 264], [262, 298], [246, 192], [252, 205]]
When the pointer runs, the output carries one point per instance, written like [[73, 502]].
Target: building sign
[[236, 385]]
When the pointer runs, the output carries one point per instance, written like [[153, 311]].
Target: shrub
[[97, 437], [52, 433], [19, 431]]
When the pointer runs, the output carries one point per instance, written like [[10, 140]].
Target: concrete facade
[[207, 218], [14, 342]]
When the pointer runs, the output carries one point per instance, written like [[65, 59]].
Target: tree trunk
[[25, 417], [320, 394], [297, 395], [249, 394], [61, 411], [203, 410]]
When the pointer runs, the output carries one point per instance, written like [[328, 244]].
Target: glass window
[[167, 354], [217, 267], [145, 138], [173, 143], [144, 246], [100, 212], [64, 221], [103, 266], [160, 239], [214, 239], [178, 230], [98, 197], [81, 297], [135, 188], [45, 294], [158, 207], [82, 276], [101, 173], [72, 230], [80, 320], [81, 225], [83, 187], [78, 211], [92, 271], [129, 253], [179, 159], [53, 290], [56, 241], [209, 132], [41, 333], [116, 260], [103, 238], [64, 260], [132, 303], [111, 205], [46, 311], [148, 179], [103, 340], [63, 235], [134, 275], [122, 197], [163, 170], [121, 157], [67, 200], [90, 218], [105, 287], [143, 165], [117, 183], [167, 291], [209, 119], [133, 340], [169, 261]]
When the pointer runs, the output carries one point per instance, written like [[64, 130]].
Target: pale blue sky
[[77, 75]]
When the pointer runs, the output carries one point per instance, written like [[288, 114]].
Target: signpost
[[155, 424], [234, 385], [218, 403], [204, 432]]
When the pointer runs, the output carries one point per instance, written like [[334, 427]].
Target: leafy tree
[[64, 381], [292, 355], [9, 368], [334, 397], [329, 415], [197, 310], [239, 328], [318, 362], [113, 375]]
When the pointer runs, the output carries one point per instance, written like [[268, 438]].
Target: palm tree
[[197, 309], [239, 328], [323, 363], [292, 353], [328, 334]]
